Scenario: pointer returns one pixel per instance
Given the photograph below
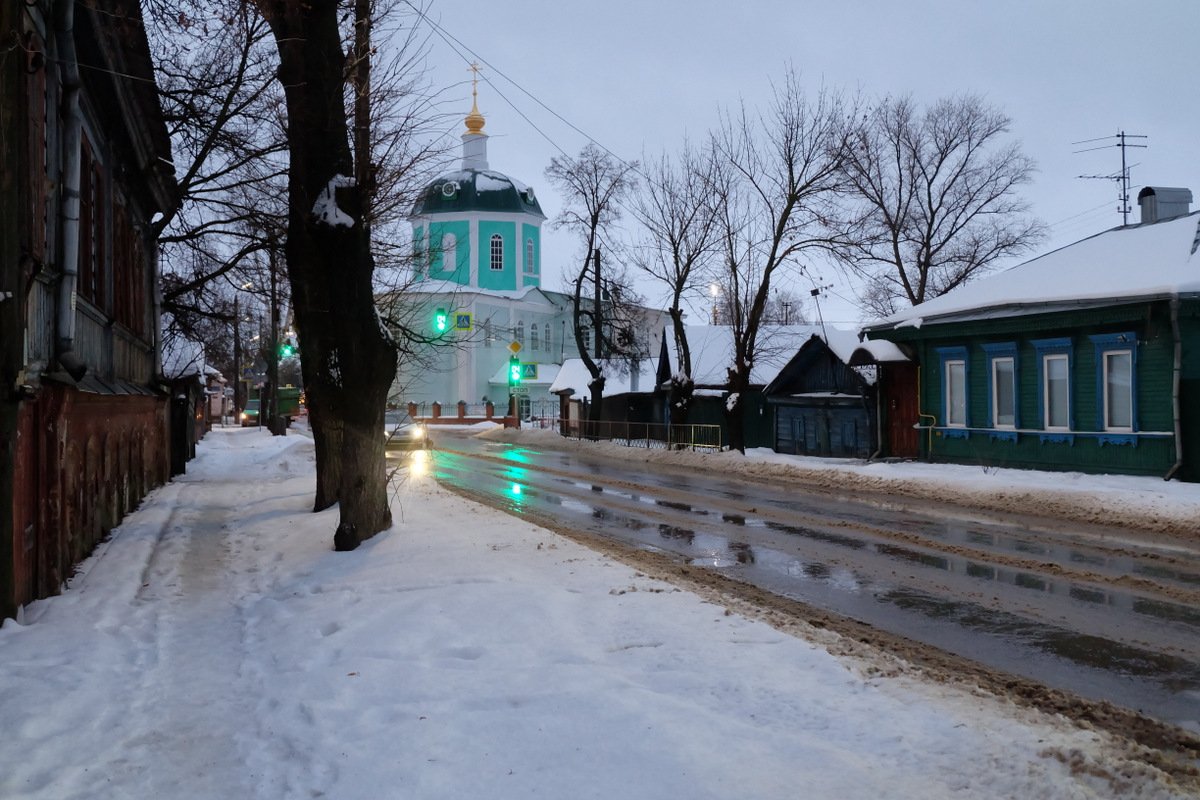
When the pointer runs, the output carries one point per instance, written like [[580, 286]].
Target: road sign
[[519, 389], [462, 321], [515, 347], [529, 372]]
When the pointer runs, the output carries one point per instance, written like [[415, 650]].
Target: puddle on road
[[735, 554], [1078, 648]]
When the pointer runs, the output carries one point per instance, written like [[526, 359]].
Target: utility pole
[[273, 421], [237, 358]]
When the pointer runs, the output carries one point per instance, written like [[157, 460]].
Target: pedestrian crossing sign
[[529, 372], [462, 321]]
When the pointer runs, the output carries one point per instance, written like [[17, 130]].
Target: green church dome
[[476, 190]]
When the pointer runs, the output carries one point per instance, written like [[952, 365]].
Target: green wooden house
[[1086, 358]]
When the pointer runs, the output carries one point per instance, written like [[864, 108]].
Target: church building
[[477, 292]]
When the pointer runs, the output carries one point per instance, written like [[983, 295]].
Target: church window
[[529, 264], [533, 337], [521, 333], [497, 252]]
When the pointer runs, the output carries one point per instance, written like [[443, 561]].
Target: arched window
[[529, 264], [497, 252], [487, 333], [533, 337], [521, 333], [449, 252]]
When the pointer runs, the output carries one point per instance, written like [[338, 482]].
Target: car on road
[[249, 416], [412, 436]]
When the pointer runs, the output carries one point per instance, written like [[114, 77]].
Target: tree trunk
[[735, 420], [348, 361], [680, 397]]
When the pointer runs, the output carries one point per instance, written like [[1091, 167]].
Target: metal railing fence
[[650, 435]]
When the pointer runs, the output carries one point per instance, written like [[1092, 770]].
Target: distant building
[[477, 293]]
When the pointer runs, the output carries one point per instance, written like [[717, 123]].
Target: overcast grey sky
[[639, 76]]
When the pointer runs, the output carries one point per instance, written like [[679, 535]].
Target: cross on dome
[[475, 120]]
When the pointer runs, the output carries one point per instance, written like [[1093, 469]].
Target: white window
[[487, 333], [449, 253], [533, 337], [529, 268], [1003, 393], [956, 393], [1056, 394], [1118, 390], [521, 333], [497, 252]]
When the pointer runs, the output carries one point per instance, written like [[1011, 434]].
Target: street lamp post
[[237, 358], [273, 354]]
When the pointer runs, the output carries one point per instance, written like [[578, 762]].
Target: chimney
[[1161, 202]]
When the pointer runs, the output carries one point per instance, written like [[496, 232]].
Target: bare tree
[[594, 184], [935, 193], [348, 358], [679, 221], [222, 104], [777, 188]]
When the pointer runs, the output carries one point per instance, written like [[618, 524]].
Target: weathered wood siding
[[823, 430]]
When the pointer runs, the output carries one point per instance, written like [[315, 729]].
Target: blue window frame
[[1055, 367], [1116, 381], [955, 408], [1003, 410]]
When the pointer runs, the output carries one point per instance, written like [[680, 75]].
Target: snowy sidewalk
[[216, 647]]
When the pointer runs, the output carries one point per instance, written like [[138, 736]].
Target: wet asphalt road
[[1109, 615]]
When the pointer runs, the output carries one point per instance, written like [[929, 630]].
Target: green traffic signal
[[286, 350], [441, 321], [514, 371]]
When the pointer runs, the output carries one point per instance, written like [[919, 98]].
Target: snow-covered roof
[[618, 378], [477, 190], [712, 350], [182, 358], [875, 351], [439, 287], [1120, 265]]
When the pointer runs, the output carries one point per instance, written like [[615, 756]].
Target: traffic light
[[286, 349], [514, 370], [441, 321]]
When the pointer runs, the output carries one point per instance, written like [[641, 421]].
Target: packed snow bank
[[216, 646], [1130, 501]]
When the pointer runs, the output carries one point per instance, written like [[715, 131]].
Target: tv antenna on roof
[[1122, 178]]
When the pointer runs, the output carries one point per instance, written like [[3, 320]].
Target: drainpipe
[[1175, 390], [64, 23]]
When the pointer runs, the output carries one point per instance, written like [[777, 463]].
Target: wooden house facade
[[1086, 358], [83, 423]]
